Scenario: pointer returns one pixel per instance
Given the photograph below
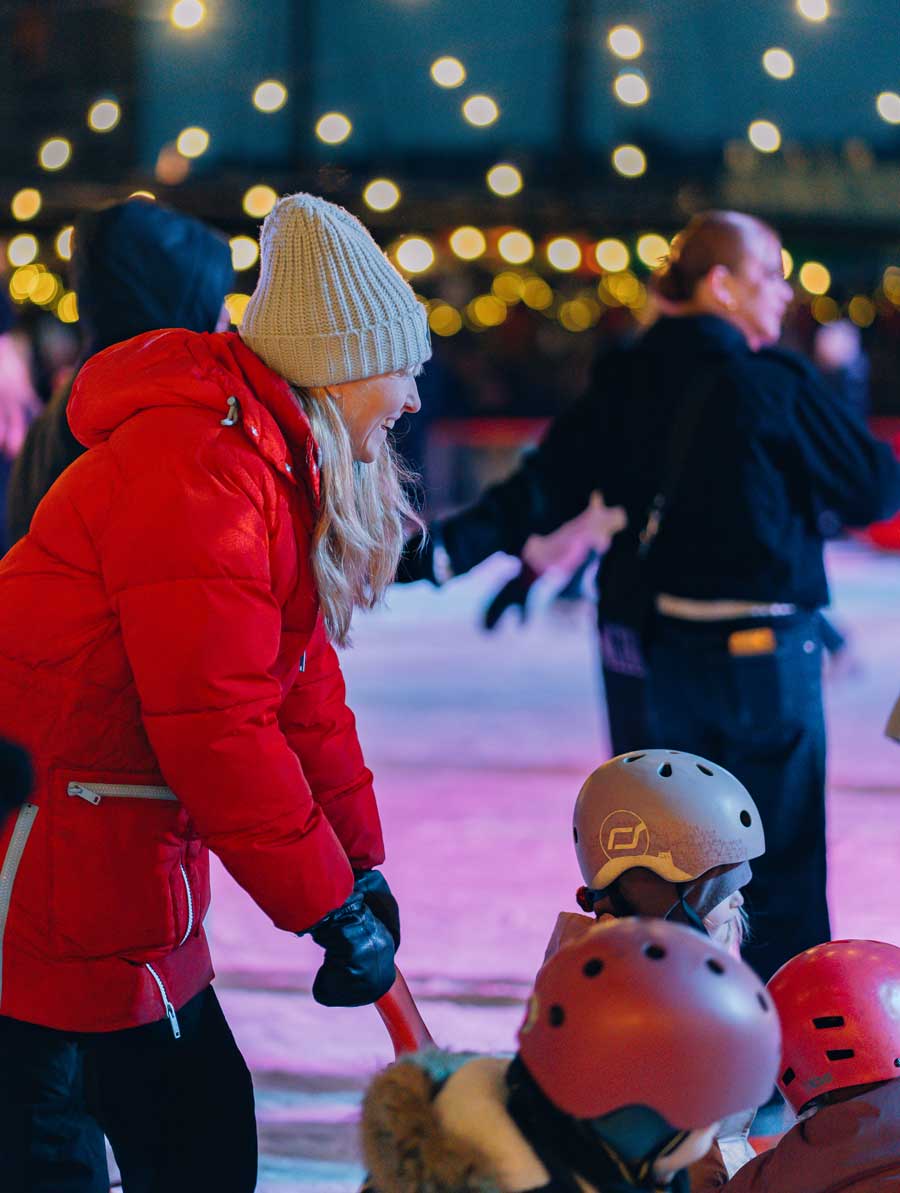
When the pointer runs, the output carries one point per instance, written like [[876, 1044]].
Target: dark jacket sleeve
[[48, 450], [853, 476], [552, 485]]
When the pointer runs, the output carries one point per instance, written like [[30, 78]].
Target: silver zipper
[[93, 793], [15, 849], [190, 899], [170, 1010]]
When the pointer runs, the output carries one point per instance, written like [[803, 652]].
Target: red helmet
[[839, 1005], [642, 1012]]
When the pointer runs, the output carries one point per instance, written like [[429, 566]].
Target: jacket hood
[[139, 266], [177, 369]]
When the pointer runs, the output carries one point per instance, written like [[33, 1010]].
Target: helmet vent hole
[[840, 1053], [633, 758], [787, 1076], [665, 771], [715, 966], [654, 951], [746, 818], [704, 770], [897, 1062], [763, 1002], [557, 1015], [829, 1021], [575, 832], [592, 967]]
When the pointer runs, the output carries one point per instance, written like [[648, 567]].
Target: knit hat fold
[[329, 306]]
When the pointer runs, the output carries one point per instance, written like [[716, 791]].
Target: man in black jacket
[[732, 568]]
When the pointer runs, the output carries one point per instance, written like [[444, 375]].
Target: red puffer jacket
[[163, 659]]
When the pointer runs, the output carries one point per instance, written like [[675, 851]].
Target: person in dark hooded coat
[[138, 267]]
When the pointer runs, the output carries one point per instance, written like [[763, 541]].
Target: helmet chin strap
[[588, 897], [691, 918]]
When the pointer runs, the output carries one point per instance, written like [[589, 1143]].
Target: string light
[[787, 263], [187, 14], [64, 243], [537, 294], [778, 63], [381, 194], [333, 128], [22, 249], [764, 136], [631, 89], [814, 277], [467, 243], [259, 200], [67, 308], [448, 72], [142, 195], [629, 161], [861, 310], [55, 153], [508, 287], [192, 142], [504, 179], [23, 281], [888, 105], [813, 10], [825, 309], [270, 96], [236, 305], [563, 254], [415, 254], [244, 252], [103, 116], [444, 320], [47, 290], [480, 110], [652, 249], [579, 314], [625, 42], [516, 247], [25, 204], [611, 255], [486, 310]]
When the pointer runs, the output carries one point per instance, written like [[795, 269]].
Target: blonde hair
[[363, 518]]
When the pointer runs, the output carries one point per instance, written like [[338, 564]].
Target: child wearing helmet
[[666, 834], [839, 1006], [638, 1039]]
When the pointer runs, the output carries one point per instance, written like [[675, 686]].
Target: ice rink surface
[[479, 744]]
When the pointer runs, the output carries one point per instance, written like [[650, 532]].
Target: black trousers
[[178, 1113], [759, 714]]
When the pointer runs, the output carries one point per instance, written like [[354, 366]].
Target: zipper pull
[[84, 793], [173, 1020]]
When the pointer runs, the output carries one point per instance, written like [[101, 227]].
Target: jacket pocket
[[119, 881]]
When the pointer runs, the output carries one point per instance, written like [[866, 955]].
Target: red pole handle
[[401, 1017]]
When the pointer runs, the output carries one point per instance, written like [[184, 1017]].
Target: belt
[[689, 609]]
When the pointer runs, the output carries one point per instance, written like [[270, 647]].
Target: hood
[[177, 369], [139, 266]]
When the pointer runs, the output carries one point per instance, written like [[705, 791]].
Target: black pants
[[178, 1113], [758, 714]]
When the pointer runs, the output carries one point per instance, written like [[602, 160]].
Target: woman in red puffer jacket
[[166, 656]]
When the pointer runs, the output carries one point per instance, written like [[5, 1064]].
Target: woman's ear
[[720, 282]]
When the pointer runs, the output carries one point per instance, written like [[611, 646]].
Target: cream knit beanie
[[329, 306]]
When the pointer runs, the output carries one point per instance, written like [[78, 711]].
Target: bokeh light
[[480, 110], [629, 161], [67, 308], [625, 42], [444, 320], [270, 96], [333, 128], [143, 195], [563, 254], [187, 14], [861, 310], [448, 72], [778, 63], [813, 10], [579, 314], [537, 294], [508, 287], [612, 255], [26, 203], [814, 277], [244, 252], [381, 194], [504, 179], [55, 153], [415, 254], [192, 141], [652, 249], [888, 105], [259, 200], [516, 247], [631, 89], [787, 263], [104, 115], [47, 289], [825, 309], [467, 242], [64, 242], [486, 310], [23, 281], [236, 305], [764, 136], [22, 249]]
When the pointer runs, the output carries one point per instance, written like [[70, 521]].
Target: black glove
[[513, 592], [359, 956], [379, 899], [417, 560]]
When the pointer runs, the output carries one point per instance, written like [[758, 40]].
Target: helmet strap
[[691, 918]]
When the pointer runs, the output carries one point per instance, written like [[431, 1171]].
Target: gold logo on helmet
[[624, 834]]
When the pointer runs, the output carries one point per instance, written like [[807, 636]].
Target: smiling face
[[371, 407]]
